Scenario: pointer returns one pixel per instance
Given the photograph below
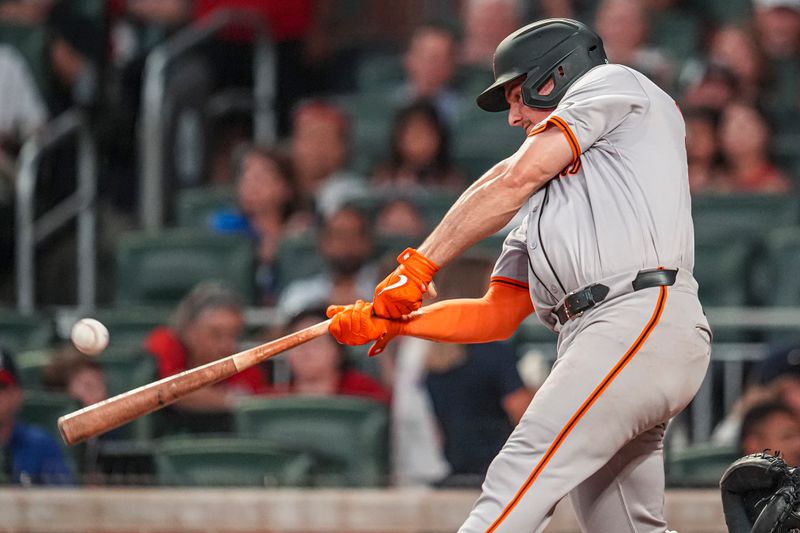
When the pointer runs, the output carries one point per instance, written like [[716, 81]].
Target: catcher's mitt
[[760, 494]]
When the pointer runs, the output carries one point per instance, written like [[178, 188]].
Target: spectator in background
[[744, 139], [736, 48], [345, 244], [419, 153], [25, 12], [622, 24], [76, 374], [29, 454], [475, 390], [77, 55], [267, 199], [319, 149], [400, 218], [771, 426], [22, 110], [777, 24], [430, 64], [319, 367], [702, 150], [708, 86], [486, 23], [206, 326]]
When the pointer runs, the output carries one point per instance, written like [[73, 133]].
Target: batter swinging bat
[[123, 408]]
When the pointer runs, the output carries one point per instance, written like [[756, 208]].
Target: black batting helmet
[[561, 49]]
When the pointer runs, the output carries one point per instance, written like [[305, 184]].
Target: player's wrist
[[417, 264]]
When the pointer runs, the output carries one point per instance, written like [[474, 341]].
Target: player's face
[[520, 115]]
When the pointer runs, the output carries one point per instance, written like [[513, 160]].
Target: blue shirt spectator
[[34, 457]]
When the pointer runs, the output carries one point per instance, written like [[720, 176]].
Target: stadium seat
[[701, 465], [24, 332], [29, 367], [722, 268], [195, 206], [482, 141], [380, 72], [371, 115], [347, 436], [783, 259], [160, 268], [129, 325], [742, 216], [228, 462], [298, 258], [43, 408]]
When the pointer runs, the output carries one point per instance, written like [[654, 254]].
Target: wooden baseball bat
[[123, 408]]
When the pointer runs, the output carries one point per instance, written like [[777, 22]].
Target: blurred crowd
[[409, 69]]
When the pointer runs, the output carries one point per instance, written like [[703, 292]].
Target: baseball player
[[604, 255]]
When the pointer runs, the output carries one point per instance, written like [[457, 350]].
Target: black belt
[[584, 299]]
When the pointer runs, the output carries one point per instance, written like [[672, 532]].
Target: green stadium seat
[[482, 140], [380, 72], [160, 268], [722, 268], [677, 31], [129, 325], [196, 206], [228, 462], [298, 258], [347, 436], [29, 367], [24, 332], [742, 216], [701, 465], [31, 42], [783, 260], [371, 115], [43, 408], [726, 11]]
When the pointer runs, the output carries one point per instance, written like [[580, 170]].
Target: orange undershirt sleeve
[[493, 317]]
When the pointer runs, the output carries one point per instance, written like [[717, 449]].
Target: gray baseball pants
[[594, 430]]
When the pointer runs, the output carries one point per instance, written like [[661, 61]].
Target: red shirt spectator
[[172, 358]]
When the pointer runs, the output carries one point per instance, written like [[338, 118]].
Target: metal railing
[[30, 232], [154, 124]]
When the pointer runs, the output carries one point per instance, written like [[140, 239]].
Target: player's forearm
[[494, 317]]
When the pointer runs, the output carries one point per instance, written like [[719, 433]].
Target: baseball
[[89, 336]]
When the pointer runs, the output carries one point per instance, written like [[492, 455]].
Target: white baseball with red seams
[[89, 336]]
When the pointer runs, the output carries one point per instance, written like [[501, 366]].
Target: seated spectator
[[622, 24], [430, 64], [30, 455], [400, 218], [22, 111], [486, 23], [736, 48], [345, 244], [267, 209], [320, 367], [475, 390], [771, 426], [319, 148], [76, 374], [777, 24], [419, 155], [25, 12], [708, 86], [747, 164], [206, 326], [702, 151]]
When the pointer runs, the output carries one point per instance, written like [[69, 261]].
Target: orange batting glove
[[356, 325], [401, 292]]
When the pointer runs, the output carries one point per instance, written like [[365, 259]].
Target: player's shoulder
[[609, 76]]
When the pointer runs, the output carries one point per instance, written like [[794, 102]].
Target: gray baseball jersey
[[594, 429], [622, 206]]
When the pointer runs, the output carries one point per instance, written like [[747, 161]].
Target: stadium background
[[128, 128]]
